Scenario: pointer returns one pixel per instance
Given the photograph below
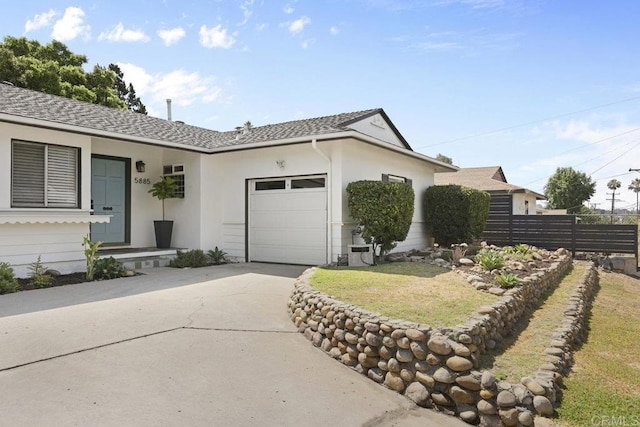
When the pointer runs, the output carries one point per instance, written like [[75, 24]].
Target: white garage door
[[288, 220]]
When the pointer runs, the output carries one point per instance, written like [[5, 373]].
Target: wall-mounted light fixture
[[140, 166], [280, 163]]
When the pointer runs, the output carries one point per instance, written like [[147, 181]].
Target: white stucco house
[[506, 198], [272, 193]]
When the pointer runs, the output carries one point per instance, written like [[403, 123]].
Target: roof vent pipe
[[169, 109]]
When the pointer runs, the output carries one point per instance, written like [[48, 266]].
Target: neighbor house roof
[[490, 179], [36, 108]]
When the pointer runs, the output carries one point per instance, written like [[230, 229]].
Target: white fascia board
[[8, 118], [338, 135]]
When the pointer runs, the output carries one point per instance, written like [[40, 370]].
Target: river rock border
[[438, 368]]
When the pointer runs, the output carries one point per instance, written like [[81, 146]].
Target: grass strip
[[604, 385], [417, 292], [520, 355]]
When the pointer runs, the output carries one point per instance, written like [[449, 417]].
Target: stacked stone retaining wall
[[439, 367]]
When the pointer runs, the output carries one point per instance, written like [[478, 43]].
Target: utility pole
[[613, 203]]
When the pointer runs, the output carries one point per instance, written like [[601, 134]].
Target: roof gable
[[490, 179]]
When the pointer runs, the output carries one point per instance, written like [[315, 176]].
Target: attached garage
[[288, 220]]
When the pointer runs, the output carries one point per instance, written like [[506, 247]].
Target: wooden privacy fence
[[561, 231]]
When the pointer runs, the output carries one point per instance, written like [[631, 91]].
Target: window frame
[[177, 172], [47, 172], [387, 177]]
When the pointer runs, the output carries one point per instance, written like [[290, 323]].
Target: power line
[[530, 123]]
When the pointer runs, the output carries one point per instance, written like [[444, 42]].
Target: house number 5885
[[142, 180]]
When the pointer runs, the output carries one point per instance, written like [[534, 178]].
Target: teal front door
[[108, 197]]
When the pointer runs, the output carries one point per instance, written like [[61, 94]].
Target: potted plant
[[163, 189]]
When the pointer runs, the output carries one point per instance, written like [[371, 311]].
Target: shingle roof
[[489, 178], [30, 104]]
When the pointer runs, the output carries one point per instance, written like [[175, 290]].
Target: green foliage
[[444, 159], [91, 256], [490, 260], [383, 209], [507, 280], [190, 259], [54, 69], [568, 189], [37, 276], [108, 268], [8, 282], [164, 189], [217, 256], [455, 214]]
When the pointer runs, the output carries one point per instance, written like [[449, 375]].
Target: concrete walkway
[[209, 346]]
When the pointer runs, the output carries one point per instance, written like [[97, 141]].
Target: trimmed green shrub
[[455, 214], [383, 209], [193, 258], [108, 268], [8, 282]]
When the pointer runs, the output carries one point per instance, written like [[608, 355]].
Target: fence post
[[573, 235]]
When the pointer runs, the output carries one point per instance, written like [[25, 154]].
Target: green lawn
[[604, 386], [416, 292]]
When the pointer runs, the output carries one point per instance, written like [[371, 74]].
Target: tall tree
[[54, 69], [635, 187], [613, 185], [568, 189], [444, 159], [126, 92]]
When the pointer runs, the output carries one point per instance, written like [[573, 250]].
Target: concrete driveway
[[209, 346]]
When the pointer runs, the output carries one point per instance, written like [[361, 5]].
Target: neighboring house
[[505, 198], [272, 193]]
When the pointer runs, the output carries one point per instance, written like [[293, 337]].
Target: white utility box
[[360, 255]]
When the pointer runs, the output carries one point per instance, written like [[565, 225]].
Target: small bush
[[108, 268], [37, 276], [455, 214], [490, 260], [507, 280], [193, 259], [8, 282], [217, 256], [458, 252]]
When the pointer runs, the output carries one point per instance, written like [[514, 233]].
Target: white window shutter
[[27, 185], [62, 177]]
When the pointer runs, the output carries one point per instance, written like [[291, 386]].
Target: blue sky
[[530, 85]]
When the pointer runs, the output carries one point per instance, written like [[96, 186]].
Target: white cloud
[[246, 11], [262, 26], [71, 25], [182, 87], [171, 36], [307, 43], [120, 34], [334, 30], [298, 25], [216, 37], [40, 20], [288, 10]]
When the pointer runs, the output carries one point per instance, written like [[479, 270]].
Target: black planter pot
[[163, 233]]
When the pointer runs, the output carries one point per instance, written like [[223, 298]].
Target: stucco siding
[[520, 204]]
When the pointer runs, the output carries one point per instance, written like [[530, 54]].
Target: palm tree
[[613, 185], [635, 187]]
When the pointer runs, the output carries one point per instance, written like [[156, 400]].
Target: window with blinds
[[44, 175]]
